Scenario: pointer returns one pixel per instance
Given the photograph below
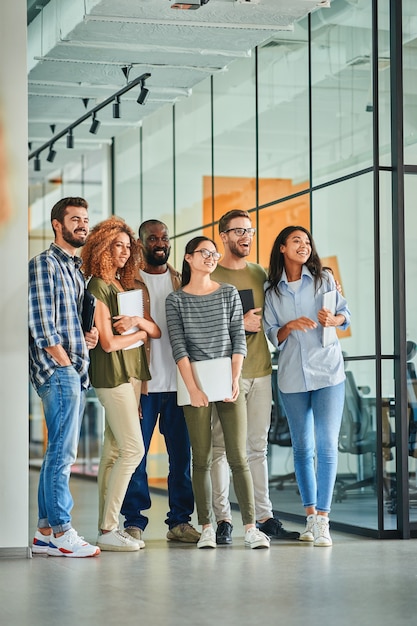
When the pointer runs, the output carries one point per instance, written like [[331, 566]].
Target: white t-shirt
[[162, 365]]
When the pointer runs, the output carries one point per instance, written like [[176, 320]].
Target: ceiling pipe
[[68, 129]]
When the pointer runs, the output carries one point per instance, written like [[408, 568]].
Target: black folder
[[246, 295], [89, 307]]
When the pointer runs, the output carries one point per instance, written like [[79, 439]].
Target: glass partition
[[158, 168], [411, 277], [343, 232], [283, 117], [341, 90], [127, 178], [193, 167], [234, 142]]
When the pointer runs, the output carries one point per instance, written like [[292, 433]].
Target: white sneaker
[[207, 538], [117, 541], [40, 543], [136, 534], [308, 535], [70, 544], [255, 538], [321, 532]]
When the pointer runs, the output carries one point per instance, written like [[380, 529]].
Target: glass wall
[[89, 177], [300, 133]]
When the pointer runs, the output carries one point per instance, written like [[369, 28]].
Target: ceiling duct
[[321, 17], [191, 4]]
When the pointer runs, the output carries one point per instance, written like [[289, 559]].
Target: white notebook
[[214, 377], [329, 334], [131, 303]]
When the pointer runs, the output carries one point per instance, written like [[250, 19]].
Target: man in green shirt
[[237, 233]]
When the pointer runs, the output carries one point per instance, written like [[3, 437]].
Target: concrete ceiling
[[77, 49]]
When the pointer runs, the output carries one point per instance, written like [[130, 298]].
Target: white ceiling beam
[[197, 68], [174, 91], [138, 47], [201, 24]]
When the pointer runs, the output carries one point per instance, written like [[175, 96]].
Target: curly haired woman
[[110, 259]]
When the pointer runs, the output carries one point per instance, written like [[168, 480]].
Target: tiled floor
[[357, 581]]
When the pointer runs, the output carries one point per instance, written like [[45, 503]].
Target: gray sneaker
[[183, 532], [136, 533]]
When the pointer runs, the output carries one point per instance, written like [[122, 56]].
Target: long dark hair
[[276, 263], [189, 249]]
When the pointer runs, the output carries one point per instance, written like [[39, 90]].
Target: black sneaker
[[224, 534], [274, 529]]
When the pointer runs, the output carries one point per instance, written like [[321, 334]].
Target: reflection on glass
[[234, 139], [283, 116], [127, 169], [193, 159], [157, 167], [273, 219], [355, 488], [341, 90], [409, 80], [343, 231]]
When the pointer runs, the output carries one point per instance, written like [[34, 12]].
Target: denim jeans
[[314, 418], [63, 402], [174, 430]]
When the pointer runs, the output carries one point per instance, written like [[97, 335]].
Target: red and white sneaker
[[72, 545], [40, 543]]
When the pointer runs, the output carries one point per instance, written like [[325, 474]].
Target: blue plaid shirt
[[56, 290]]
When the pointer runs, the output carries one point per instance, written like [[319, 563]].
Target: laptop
[[213, 376]]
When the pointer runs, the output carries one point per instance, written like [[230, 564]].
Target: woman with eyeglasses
[[205, 321]]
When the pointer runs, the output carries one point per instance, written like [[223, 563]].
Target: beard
[[239, 252], [72, 238], [157, 261]]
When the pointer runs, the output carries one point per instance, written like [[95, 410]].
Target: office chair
[[357, 435], [412, 425], [279, 432], [412, 399]]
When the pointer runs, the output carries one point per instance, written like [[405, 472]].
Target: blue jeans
[[63, 402], [314, 418], [180, 494]]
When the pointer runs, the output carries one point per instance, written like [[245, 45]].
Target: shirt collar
[[304, 272], [65, 256]]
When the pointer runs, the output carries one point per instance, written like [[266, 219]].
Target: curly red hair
[[97, 256]]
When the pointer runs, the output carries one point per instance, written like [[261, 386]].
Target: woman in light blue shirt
[[310, 377]]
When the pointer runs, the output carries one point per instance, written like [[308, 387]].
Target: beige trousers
[[122, 451]]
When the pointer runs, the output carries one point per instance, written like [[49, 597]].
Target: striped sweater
[[206, 327]]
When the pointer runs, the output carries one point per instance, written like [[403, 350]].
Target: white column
[[13, 296]]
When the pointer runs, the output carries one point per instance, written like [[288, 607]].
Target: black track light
[[95, 125], [116, 108], [37, 164], [51, 154], [144, 93], [70, 139]]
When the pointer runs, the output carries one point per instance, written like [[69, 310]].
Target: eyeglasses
[[241, 231], [206, 254]]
